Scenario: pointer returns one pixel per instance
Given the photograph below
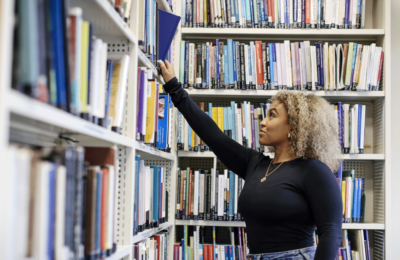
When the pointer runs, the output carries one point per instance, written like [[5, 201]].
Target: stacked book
[[64, 202], [354, 245], [340, 14], [67, 66], [154, 112], [154, 247], [273, 66], [208, 243], [208, 195], [151, 196], [241, 122]]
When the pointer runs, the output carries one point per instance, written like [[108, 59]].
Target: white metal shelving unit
[[44, 123], [374, 165]]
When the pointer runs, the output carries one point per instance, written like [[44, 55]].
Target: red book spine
[[176, 252], [380, 70], [211, 252], [259, 66], [205, 253], [308, 11], [190, 194], [271, 9], [104, 209]]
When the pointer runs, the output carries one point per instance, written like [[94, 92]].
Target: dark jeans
[[298, 254]]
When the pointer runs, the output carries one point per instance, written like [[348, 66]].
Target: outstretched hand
[[167, 69]]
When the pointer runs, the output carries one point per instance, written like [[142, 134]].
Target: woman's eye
[[271, 114]]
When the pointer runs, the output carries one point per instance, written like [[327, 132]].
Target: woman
[[286, 197]]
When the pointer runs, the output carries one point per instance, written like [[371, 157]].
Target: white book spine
[[371, 65], [308, 62], [191, 64], [346, 125], [221, 195], [94, 77], [354, 13], [313, 67], [248, 125], [212, 188], [284, 66], [196, 194], [102, 82], [121, 94], [278, 64], [246, 59], [374, 80], [294, 65], [59, 248], [326, 67], [201, 206], [236, 194]]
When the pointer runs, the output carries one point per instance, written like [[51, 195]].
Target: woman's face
[[274, 129]]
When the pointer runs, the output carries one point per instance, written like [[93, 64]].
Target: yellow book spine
[[114, 91], [215, 115], [84, 67], [344, 195], [150, 113], [221, 118], [193, 138]]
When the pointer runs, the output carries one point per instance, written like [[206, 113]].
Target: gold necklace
[[266, 175]]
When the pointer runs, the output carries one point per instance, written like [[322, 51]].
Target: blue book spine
[[358, 200], [208, 65], [201, 249], [186, 73], [159, 193], [353, 63], [287, 12], [110, 66], [217, 58], [98, 210], [52, 208], [231, 193], [321, 49], [230, 64], [136, 203], [355, 193], [184, 14], [162, 132], [233, 114], [262, 8], [346, 14], [180, 123], [58, 50], [361, 200], [295, 8], [189, 136], [252, 12], [318, 12], [340, 124], [234, 78], [210, 109], [226, 68], [318, 47], [232, 256], [226, 252], [248, 10], [275, 65]]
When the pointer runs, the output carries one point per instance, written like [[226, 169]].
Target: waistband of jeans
[[304, 250]]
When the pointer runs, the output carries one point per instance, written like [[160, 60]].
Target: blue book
[[110, 65], [271, 64], [155, 193], [234, 75], [355, 200], [160, 175], [210, 109], [231, 255], [318, 52], [233, 116], [217, 56], [321, 49], [251, 12], [361, 211], [167, 25], [57, 39], [353, 63], [230, 63], [186, 72], [162, 131], [52, 210], [262, 13], [226, 252], [226, 68], [346, 14], [359, 197], [231, 194], [287, 13], [339, 175], [201, 249], [189, 136], [98, 211], [340, 124], [136, 202]]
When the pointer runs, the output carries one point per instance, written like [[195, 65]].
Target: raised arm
[[231, 153], [323, 195]]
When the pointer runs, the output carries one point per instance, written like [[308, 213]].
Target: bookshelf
[[374, 165], [29, 121]]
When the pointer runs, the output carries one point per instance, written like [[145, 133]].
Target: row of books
[[153, 248], [154, 112], [149, 36], [354, 245], [340, 14], [66, 66], [151, 196], [208, 243], [241, 122], [296, 65], [353, 197], [351, 119], [63, 203], [208, 195]]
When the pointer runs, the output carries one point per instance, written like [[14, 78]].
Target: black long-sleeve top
[[281, 213]]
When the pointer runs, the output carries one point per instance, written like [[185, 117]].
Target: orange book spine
[[271, 10], [308, 11], [104, 209], [259, 67]]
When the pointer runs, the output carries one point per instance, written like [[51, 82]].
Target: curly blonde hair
[[314, 127]]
